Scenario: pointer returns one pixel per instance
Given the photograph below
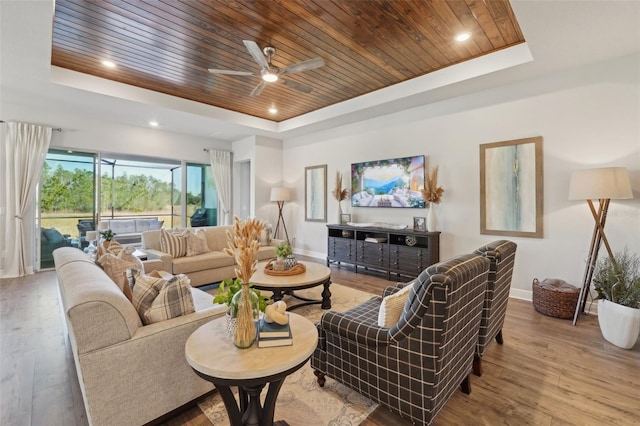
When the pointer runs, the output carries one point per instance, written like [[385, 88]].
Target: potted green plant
[[618, 286], [229, 293], [107, 235], [284, 253]]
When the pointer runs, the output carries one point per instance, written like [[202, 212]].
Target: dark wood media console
[[394, 251]]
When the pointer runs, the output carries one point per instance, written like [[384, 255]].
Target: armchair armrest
[[390, 290], [353, 329]]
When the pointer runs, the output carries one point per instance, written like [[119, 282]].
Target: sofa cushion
[[159, 297], [147, 224], [196, 243], [116, 267], [173, 244], [122, 226], [392, 307], [201, 262]]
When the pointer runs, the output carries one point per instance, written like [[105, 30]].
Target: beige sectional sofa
[[129, 373], [205, 268]]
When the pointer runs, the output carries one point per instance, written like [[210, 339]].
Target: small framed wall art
[[420, 224]]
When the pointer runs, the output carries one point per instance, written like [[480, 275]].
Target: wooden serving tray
[[299, 268]]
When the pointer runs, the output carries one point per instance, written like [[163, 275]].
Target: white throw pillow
[[392, 307]]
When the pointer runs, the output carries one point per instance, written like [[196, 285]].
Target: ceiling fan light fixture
[[269, 76]]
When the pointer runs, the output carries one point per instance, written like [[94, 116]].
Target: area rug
[[301, 401]]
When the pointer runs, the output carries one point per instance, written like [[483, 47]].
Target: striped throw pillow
[[173, 243]]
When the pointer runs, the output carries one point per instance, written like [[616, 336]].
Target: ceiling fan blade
[[256, 53], [307, 65], [259, 88], [229, 72], [297, 86]]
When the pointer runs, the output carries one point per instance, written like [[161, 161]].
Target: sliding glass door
[[67, 203]]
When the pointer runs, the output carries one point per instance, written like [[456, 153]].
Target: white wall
[[81, 133], [588, 117]]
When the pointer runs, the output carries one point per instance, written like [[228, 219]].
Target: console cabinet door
[[341, 249], [408, 260]]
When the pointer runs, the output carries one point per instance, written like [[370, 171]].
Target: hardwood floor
[[546, 373]]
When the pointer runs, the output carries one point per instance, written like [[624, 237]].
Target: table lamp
[[280, 195], [602, 184]]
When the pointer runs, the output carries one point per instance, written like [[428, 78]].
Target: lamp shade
[[280, 194], [92, 235], [603, 183]]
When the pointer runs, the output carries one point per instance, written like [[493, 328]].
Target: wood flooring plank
[[16, 388]]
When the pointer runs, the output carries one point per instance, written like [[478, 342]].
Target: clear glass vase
[[247, 314]]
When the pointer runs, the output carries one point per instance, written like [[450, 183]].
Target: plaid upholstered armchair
[[415, 365], [501, 254]]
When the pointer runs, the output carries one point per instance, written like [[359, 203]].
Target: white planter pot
[[619, 324]]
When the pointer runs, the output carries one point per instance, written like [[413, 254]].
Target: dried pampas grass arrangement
[[432, 192]]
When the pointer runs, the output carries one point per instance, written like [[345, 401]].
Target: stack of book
[[271, 334]]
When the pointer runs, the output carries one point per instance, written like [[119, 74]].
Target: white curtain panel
[[23, 149], [221, 165]]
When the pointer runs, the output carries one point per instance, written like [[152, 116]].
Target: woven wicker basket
[[555, 298]]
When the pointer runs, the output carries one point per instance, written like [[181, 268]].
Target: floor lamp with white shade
[[280, 195], [602, 184]]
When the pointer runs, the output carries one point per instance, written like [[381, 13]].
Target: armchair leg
[[477, 365], [466, 385], [320, 375], [499, 337]]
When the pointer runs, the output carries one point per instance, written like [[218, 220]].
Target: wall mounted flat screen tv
[[396, 182]]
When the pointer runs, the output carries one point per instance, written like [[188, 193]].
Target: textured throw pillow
[[114, 248], [116, 267], [173, 243], [196, 243], [392, 307], [160, 296], [265, 236]]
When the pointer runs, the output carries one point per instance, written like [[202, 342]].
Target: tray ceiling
[[168, 46]]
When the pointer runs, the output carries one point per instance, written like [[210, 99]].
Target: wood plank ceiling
[[168, 45]]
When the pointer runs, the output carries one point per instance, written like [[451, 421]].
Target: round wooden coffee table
[[315, 275], [213, 356]]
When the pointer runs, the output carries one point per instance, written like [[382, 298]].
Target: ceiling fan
[[270, 73]]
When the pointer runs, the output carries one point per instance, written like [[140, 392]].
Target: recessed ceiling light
[[109, 64], [153, 124], [463, 36], [273, 110]]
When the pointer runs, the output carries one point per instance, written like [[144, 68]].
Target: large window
[[130, 187], [202, 197], [136, 188], [67, 201]]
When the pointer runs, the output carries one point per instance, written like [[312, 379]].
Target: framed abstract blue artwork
[[511, 188]]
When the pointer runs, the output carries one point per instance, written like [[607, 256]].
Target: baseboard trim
[[516, 293]]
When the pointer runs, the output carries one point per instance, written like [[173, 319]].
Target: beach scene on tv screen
[[395, 182]]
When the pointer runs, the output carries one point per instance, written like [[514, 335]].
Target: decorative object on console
[[433, 194], [243, 245], [511, 190], [395, 182], [419, 224], [602, 184], [618, 285], [340, 194], [345, 218], [280, 195], [315, 193], [91, 236]]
